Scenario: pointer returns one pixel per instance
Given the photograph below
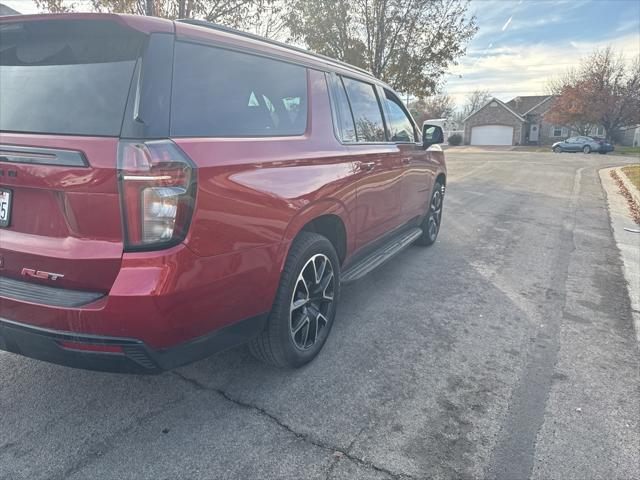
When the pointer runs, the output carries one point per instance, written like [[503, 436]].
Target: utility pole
[[149, 10]]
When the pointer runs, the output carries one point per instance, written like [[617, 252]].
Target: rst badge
[[29, 272]]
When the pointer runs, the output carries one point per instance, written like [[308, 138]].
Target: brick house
[[630, 136], [520, 121]]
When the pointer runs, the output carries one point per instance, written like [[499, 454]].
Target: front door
[[534, 133], [418, 164], [378, 187]]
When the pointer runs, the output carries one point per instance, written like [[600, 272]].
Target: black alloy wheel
[[431, 224], [305, 305]]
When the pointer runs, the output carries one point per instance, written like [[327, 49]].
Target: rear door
[[65, 85]]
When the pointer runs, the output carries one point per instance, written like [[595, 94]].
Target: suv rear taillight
[[157, 193]]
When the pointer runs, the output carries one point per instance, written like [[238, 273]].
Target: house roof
[[523, 105], [501, 103], [5, 10]]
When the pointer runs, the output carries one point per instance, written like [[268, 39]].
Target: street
[[504, 351]]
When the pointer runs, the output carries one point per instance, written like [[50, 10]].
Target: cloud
[[509, 71], [631, 24], [506, 25]]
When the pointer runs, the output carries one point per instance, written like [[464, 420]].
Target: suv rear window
[[224, 93], [66, 76]]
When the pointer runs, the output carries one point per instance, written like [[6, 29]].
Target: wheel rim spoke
[[301, 280], [323, 318], [320, 273], [306, 334], [316, 322], [296, 304], [304, 320], [436, 215], [325, 285]]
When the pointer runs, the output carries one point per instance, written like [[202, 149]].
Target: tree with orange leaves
[[604, 90], [573, 108]]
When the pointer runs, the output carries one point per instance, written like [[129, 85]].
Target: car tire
[[431, 224], [557, 149], [302, 313], [586, 149]]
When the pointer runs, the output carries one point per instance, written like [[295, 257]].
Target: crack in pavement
[[7, 446], [336, 451], [341, 454]]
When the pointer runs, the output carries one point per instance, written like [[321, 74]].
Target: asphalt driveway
[[504, 351]]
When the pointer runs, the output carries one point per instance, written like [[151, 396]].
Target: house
[[630, 136], [520, 121], [5, 10]]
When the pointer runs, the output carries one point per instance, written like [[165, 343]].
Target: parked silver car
[[583, 144]]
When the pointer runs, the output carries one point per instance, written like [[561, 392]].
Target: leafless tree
[[475, 101]]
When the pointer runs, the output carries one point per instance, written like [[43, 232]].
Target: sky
[[520, 44]]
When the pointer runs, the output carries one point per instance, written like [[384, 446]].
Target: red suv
[[171, 189]]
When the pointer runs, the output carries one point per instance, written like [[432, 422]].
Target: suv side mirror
[[431, 134]]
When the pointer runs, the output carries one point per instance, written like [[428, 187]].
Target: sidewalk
[[627, 241]]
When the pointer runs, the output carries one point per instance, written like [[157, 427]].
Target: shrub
[[455, 139]]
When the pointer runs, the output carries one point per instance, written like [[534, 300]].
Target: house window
[[556, 131], [600, 131]]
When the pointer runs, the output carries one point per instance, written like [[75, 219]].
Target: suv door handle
[[367, 166], [406, 161]]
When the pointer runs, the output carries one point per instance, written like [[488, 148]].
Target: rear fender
[[322, 207]]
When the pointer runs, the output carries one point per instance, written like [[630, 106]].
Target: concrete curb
[[628, 243], [635, 193]]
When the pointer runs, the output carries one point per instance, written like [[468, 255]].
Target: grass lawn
[[627, 150], [633, 172], [531, 148]]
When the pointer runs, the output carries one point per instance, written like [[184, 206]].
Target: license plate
[[5, 207]]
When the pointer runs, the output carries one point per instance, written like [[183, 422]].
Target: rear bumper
[[164, 309], [123, 355], [162, 299]]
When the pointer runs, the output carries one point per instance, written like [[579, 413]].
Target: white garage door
[[492, 135]]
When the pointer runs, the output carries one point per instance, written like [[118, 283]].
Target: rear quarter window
[[366, 110], [66, 76], [225, 93]]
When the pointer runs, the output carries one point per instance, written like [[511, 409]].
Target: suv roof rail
[[253, 36]]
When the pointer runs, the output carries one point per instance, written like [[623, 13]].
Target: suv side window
[[366, 110], [223, 93], [344, 117], [400, 125]]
